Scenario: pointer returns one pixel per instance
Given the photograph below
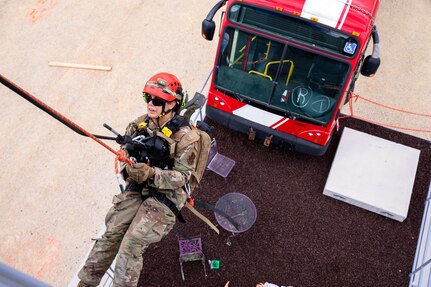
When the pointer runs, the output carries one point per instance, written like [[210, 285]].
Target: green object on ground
[[215, 264]]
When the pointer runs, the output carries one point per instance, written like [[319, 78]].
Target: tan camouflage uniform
[[132, 224]]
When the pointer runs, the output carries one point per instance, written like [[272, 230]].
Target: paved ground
[[56, 186]]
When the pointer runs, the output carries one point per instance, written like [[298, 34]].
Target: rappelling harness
[[156, 148]]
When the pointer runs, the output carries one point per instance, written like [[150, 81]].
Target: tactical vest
[[153, 146]]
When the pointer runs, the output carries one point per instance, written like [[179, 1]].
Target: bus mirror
[[208, 28], [208, 25], [370, 66], [372, 62]]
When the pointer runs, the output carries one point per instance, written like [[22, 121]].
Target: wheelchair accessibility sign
[[350, 48]]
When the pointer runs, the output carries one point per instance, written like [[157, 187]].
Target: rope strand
[[355, 97], [63, 119], [389, 107]]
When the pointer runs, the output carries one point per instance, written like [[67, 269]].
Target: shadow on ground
[[301, 237]]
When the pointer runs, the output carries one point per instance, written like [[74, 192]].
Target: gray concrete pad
[[56, 186], [373, 173]]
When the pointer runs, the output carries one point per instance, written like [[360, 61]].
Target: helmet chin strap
[[163, 114]]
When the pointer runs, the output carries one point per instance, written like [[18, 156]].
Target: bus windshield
[[296, 29], [279, 76]]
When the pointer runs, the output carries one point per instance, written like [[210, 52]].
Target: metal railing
[[421, 271], [10, 277]]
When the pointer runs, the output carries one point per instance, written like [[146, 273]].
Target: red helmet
[[165, 86]]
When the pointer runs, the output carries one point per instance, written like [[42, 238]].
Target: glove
[[123, 139], [140, 172]]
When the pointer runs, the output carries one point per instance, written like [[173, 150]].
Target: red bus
[[284, 69]]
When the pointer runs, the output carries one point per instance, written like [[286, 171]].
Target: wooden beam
[[80, 66]]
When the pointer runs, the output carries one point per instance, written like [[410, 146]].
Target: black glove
[[123, 139]]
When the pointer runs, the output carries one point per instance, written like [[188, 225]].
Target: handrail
[[279, 62], [241, 51], [260, 74], [426, 214], [265, 73], [421, 267], [257, 61]]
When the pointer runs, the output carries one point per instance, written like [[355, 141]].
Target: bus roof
[[351, 16]]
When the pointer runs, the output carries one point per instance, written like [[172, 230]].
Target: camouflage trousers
[[131, 225]]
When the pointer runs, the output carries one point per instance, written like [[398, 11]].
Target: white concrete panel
[[373, 173]]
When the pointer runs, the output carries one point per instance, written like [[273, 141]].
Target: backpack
[[204, 132], [203, 147], [199, 136], [203, 143]]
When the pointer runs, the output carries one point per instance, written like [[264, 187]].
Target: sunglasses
[[156, 101]]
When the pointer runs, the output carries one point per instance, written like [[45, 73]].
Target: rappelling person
[[165, 152]]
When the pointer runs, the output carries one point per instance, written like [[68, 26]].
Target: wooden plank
[[80, 66]]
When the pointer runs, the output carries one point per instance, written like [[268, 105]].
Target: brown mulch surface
[[301, 237]]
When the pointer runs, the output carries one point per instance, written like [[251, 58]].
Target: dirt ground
[[56, 186], [299, 237]]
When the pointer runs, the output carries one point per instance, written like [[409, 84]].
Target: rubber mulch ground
[[301, 237]]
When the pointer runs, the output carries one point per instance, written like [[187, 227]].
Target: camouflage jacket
[[171, 182]]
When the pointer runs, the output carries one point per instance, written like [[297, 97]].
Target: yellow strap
[[202, 217]]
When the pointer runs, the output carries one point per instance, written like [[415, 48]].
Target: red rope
[[356, 97], [65, 119], [391, 108], [121, 156]]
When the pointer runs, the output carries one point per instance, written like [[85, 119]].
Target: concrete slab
[[373, 173]]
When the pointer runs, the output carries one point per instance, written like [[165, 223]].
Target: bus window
[[309, 84], [279, 75], [248, 64]]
